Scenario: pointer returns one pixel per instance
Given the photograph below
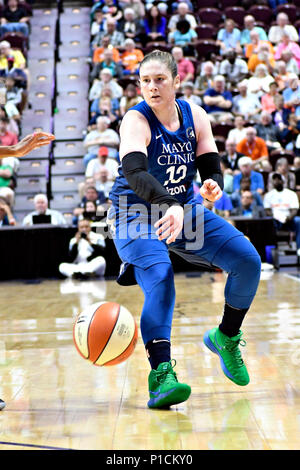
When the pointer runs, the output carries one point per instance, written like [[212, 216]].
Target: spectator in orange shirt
[[255, 44], [254, 147], [263, 56], [98, 54], [131, 58]]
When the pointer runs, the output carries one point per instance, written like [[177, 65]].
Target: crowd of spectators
[[248, 83]]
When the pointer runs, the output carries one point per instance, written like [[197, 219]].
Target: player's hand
[[32, 142], [170, 225], [211, 190]]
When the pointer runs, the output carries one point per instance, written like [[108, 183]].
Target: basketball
[[105, 333]]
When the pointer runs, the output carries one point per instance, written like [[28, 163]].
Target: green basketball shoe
[[228, 351], [164, 388]]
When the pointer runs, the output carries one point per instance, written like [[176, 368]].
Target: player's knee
[[250, 267]]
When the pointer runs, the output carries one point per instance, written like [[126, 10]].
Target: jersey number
[[180, 174]]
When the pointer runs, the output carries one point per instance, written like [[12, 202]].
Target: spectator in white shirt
[[182, 14], [97, 164], [102, 135], [276, 31], [41, 208]]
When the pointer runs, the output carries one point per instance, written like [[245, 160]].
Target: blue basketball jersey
[[171, 157]]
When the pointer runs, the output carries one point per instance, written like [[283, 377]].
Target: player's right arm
[[135, 135]]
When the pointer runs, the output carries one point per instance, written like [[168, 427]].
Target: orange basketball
[[105, 333]]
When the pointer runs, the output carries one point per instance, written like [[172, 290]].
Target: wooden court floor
[[55, 399]]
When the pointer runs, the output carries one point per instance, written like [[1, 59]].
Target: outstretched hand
[[210, 190], [32, 142]]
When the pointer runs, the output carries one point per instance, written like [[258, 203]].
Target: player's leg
[[224, 246], [152, 270], [239, 258], [157, 283]]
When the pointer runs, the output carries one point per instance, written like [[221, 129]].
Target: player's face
[[157, 84]]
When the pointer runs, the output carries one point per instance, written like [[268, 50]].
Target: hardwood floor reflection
[[55, 399]]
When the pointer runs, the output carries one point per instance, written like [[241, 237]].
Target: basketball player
[[22, 148], [164, 141]]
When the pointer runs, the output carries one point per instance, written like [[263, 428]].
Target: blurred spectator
[[6, 216], [90, 212], [106, 80], [249, 26], [230, 157], [86, 252], [6, 173], [101, 136], [13, 93], [248, 207], [253, 47], [253, 146], [130, 25], [229, 37], [205, 79], [286, 43], [155, 25], [110, 9], [103, 107], [14, 19], [268, 131], [245, 103], [291, 95], [98, 54], [281, 75], [185, 67], [8, 54], [282, 204], [290, 61], [280, 116], [289, 178], [12, 126], [188, 94], [40, 202], [247, 179], [276, 31], [183, 36], [98, 23], [262, 57], [218, 101], [131, 58], [182, 14], [129, 99], [289, 135], [108, 62], [267, 100], [102, 161], [103, 183], [116, 38], [239, 131], [260, 82], [6, 138], [233, 68], [90, 195], [137, 6]]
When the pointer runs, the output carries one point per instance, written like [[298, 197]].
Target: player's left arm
[[207, 156]]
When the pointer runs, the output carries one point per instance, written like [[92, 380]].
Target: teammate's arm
[[135, 136], [207, 157], [26, 145]]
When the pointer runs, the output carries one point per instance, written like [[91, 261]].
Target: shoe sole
[[173, 397], [2, 404], [210, 345]]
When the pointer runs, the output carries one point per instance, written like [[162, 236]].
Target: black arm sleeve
[[135, 170], [208, 166]]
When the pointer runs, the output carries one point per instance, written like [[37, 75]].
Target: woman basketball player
[[22, 148], [164, 141]]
